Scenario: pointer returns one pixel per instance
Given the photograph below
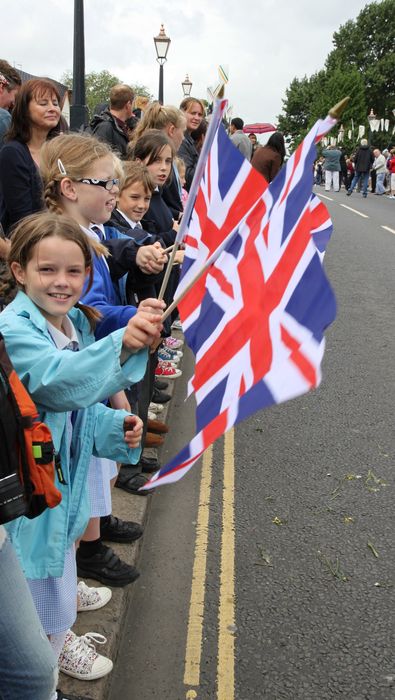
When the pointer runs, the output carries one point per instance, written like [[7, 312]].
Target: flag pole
[[199, 172]]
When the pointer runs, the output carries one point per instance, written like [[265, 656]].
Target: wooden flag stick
[[168, 270], [167, 250]]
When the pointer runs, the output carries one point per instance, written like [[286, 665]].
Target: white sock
[[56, 641]]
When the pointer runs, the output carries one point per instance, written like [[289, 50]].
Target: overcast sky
[[265, 43]]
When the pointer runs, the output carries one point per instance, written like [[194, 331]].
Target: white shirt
[[63, 339], [131, 223]]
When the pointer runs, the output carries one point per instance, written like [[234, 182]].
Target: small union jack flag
[[256, 319]]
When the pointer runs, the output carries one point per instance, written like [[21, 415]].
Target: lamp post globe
[[162, 43], [186, 86]]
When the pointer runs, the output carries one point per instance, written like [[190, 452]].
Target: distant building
[[64, 92]]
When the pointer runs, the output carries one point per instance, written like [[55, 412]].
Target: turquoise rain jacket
[[61, 381]]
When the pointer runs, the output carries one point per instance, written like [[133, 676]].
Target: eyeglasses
[[107, 184]]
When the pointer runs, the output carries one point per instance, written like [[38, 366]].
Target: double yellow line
[[226, 612]]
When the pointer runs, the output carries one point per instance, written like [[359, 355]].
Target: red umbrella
[[259, 128]]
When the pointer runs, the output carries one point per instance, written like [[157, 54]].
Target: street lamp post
[[162, 43], [186, 86], [371, 119], [78, 110]]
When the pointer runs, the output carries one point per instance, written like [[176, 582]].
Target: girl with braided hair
[[81, 178]]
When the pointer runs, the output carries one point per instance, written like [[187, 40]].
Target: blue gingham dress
[[101, 470], [55, 598]]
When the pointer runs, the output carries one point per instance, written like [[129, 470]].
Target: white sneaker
[[90, 598], [151, 415], [155, 407], [79, 658]]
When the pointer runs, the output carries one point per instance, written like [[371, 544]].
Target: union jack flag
[[255, 320]]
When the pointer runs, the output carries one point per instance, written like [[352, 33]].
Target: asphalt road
[[314, 529]]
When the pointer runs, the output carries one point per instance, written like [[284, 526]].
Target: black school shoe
[[160, 385], [114, 529], [106, 567], [160, 397], [131, 482], [149, 465]]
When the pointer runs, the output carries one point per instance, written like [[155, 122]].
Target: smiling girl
[[50, 259], [80, 180]]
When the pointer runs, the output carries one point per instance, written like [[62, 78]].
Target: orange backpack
[[27, 455]]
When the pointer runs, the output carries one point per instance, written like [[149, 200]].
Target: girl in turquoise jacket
[[50, 259]]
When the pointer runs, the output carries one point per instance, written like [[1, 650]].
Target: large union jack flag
[[256, 319]]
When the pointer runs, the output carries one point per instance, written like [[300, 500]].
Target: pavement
[[109, 620]]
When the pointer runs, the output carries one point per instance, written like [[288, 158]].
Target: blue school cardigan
[[60, 381]]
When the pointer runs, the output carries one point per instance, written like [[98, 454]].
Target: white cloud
[[265, 43]]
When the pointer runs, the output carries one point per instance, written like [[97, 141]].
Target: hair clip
[[61, 167]]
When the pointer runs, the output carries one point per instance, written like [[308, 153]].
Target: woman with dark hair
[[172, 122], [194, 114], [35, 118], [269, 159], [199, 135]]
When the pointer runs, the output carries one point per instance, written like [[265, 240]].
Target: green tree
[[98, 86], [367, 45], [297, 114], [362, 65]]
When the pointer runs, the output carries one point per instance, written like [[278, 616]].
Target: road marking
[[196, 608], [365, 216], [226, 615], [324, 196], [387, 228]]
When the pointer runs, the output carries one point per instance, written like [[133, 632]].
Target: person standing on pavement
[[391, 169], [254, 143], [343, 169], [50, 259], [110, 126], [332, 168], [10, 83], [269, 159], [379, 166], [35, 118], [173, 122], [239, 138], [194, 113], [362, 164]]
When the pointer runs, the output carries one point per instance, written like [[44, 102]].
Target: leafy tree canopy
[[98, 86], [362, 65]]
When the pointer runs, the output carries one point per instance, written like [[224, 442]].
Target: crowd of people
[[87, 221], [368, 169]]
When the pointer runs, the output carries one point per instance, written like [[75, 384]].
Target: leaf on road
[[279, 521], [266, 558], [332, 567], [373, 549], [373, 483]]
